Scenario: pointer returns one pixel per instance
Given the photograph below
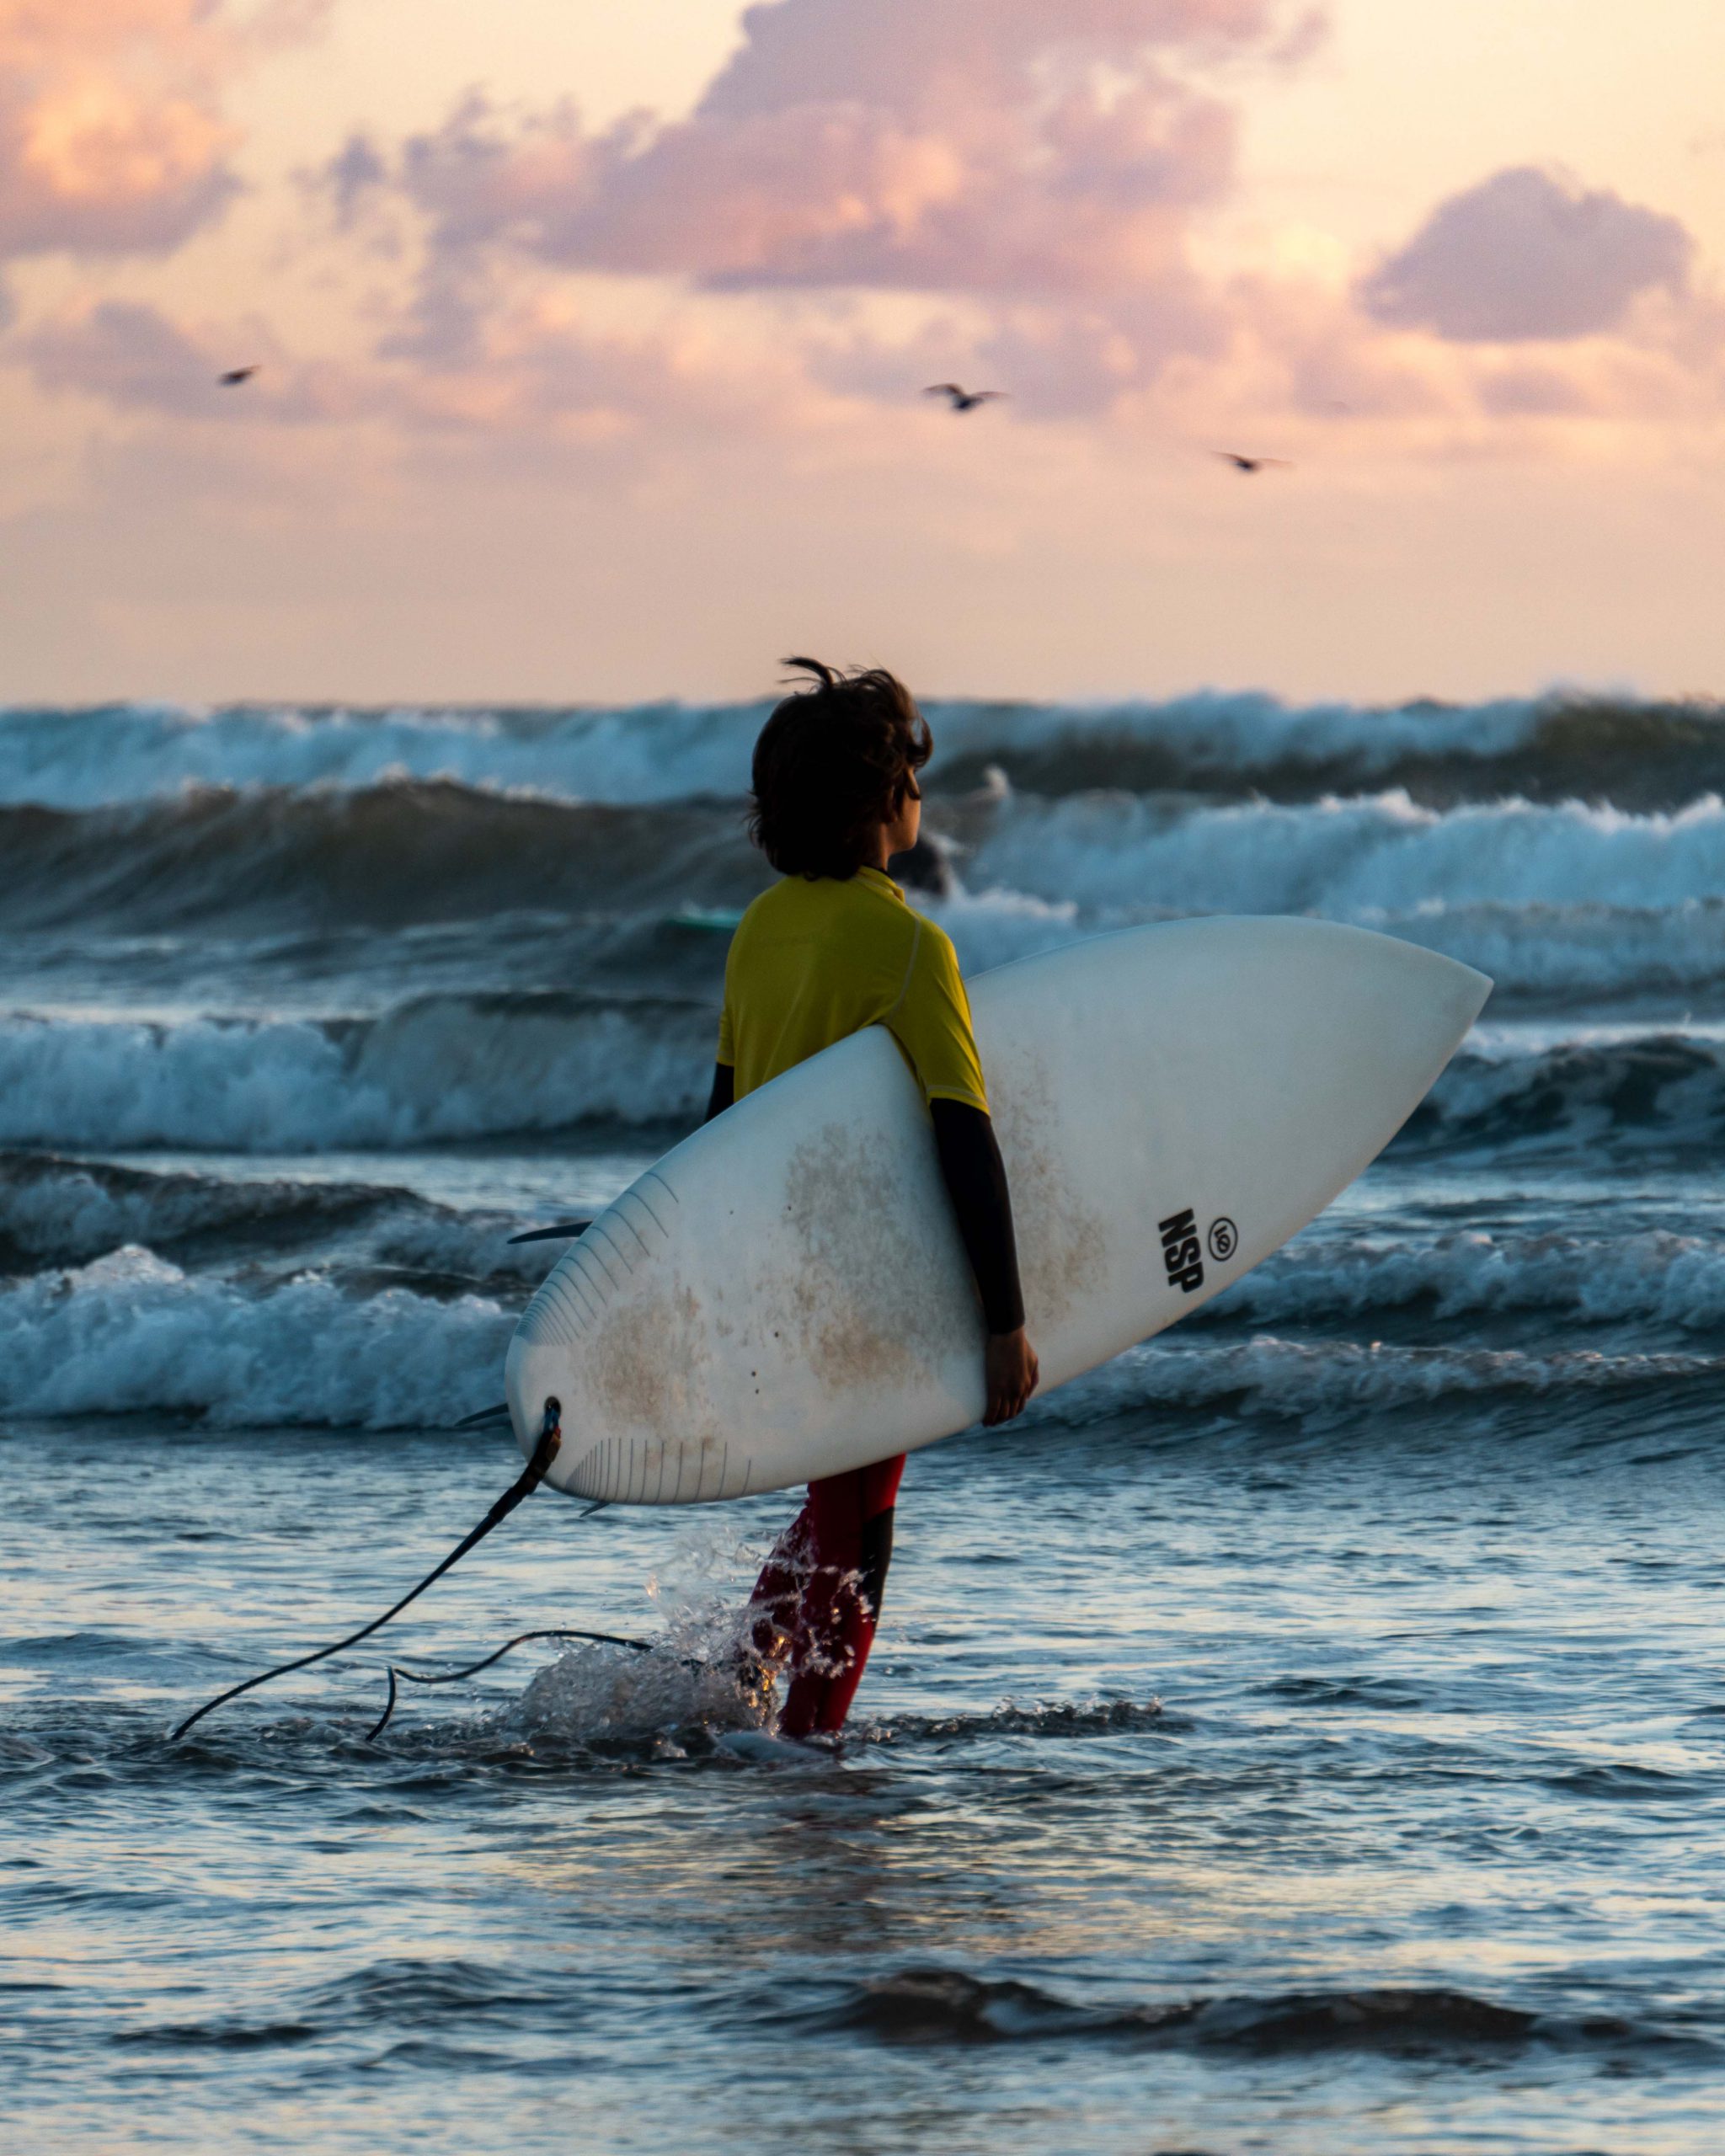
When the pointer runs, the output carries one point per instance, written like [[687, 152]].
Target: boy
[[830, 949]]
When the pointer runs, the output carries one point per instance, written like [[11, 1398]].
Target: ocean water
[[1306, 1735]]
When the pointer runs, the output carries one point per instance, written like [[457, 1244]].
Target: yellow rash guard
[[815, 961]]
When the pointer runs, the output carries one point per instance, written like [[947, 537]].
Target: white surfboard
[[785, 1294]]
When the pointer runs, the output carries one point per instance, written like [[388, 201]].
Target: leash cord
[[550, 1438], [472, 1668]]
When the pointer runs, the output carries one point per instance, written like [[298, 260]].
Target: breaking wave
[[1656, 1277], [398, 852], [448, 1069], [1340, 1378], [69, 1211], [438, 1068], [132, 1333], [1355, 859], [1652, 1090], [1592, 746], [65, 1214], [130, 752], [951, 2006], [1550, 900], [60, 1212]]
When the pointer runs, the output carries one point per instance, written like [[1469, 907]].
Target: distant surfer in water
[[830, 949]]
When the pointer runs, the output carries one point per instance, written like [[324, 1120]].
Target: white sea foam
[[611, 1696], [691, 1679], [1358, 858], [992, 928], [1586, 951], [131, 1333], [438, 1069], [1549, 901], [1543, 951], [1653, 1277]]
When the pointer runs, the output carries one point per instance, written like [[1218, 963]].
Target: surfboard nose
[[1458, 991], [1400, 1011]]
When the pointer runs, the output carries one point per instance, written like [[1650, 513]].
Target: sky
[[591, 344]]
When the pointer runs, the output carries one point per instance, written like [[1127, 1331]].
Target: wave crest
[[132, 1333], [951, 2006], [1594, 746], [438, 1068]]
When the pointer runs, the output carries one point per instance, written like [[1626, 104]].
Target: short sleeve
[[931, 1021]]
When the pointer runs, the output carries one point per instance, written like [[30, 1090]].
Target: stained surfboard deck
[[785, 1295]]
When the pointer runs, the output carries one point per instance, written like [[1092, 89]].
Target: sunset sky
[[591, 340]]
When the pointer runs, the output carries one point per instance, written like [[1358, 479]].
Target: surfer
[[831, 948]]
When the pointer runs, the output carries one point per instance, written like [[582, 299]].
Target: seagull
[[964, 400], [1249, 463], [235, 376]]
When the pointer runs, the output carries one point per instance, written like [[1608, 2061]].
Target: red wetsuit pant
[[821, 1588]]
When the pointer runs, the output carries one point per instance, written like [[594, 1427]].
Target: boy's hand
[[1010, 1371]]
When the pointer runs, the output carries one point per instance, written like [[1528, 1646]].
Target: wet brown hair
[[832, 764]]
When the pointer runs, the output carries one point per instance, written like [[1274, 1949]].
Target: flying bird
[[964, 400], [1249, 463], [235, 376]]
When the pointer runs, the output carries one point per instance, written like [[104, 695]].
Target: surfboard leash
[[472, 1668], [544, 1452]]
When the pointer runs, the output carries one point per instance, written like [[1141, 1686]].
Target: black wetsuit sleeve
[[725, 1090], [976, 1179]]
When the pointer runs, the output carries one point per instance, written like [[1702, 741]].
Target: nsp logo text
[[1182, 1252]]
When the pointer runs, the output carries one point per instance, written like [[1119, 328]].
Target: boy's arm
[[725, 1090], [976, 1181], [932, 1024], [724, 1068]]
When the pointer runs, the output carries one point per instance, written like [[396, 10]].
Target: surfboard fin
[[485, 1416], [569, 1229]]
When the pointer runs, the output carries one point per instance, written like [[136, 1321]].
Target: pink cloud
[[132, 354], [112, 137], [1074, 362], [534, 377], [871, 196], [987, 146], [1532, 393], [1528, 254]]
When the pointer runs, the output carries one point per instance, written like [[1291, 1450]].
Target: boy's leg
[[850, 1518], [778, 1592]]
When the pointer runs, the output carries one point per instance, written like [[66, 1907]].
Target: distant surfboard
[[785, 1294]]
